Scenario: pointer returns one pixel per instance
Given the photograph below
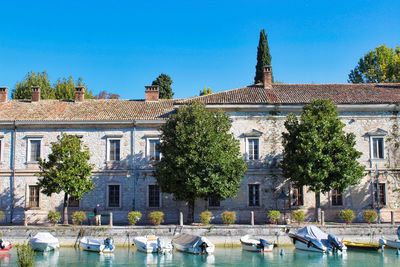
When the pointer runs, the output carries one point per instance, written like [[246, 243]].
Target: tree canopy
[[62, 89], [381, 65], [67, 170], [165, 84], [23, 88], [200, 157], [317, 152], [206, 91], [263, 56]]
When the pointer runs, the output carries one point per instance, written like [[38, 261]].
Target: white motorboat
[[193, 244], [44, 241], [311, 238], [152, 244], [255, 244], [97, 245], [391, 243]]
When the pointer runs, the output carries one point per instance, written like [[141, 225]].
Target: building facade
[[122, 136]]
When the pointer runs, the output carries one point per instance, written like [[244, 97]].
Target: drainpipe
[[133, 166], [12, 182]]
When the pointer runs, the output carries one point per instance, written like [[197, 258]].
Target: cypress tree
[[263, 56]]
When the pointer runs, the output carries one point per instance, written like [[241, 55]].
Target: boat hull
[[193, 244], [255, 248], [360, 245], [7, 246], [390, 243], [43, 246], [146, 246], [95, 245]]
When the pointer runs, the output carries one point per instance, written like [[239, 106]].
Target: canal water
[[222, 257]]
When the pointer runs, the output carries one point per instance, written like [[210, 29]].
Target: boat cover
[[45, 237], [186, 240], [312, 232]]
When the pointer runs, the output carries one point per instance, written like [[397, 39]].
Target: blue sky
[[121, 46]]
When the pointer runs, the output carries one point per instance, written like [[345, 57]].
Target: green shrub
[[2, 215], [25, 255], [205, 217], [298, 216], [274, 216], [228, 217], [370, 216], [54, 217], [78, 217], [134, 217], [347, 216], [156, 217]]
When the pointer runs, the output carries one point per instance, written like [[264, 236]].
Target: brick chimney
[[3, 93], [79, 93], [35, 93], [152, 93], [267, 77]]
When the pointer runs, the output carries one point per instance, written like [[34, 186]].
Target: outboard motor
[[263, 243], [109, 243], [335, 243], [398, 232], [203, 246]]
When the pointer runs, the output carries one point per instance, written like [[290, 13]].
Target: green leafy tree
[[381, 65], [67, 170], [201, 158], [317, 152], [206, 91], [165, 84], [263, 56], [65, 89], [23, 89], [107, 95]]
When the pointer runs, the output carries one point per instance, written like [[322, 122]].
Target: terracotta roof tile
[[120, 110]]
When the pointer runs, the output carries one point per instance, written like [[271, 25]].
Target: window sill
[[32, 162], [33, 208]]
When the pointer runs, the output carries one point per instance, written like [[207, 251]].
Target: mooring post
[[111, 219], [180, 218], [392, 217], [322, 217], [252, 217]]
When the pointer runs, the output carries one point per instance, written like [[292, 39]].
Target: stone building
[[122, 136]]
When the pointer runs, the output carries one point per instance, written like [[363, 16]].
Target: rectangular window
[[73, 202], [154, 196], [214, 202], [34, 150], [380, 195], [34, 196], [114, 149], [254, 195], [253, 147], [154, 149], [377, 147], [297, 195], [337, 198], [113, 196]]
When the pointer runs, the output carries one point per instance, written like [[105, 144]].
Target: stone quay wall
[[221, 235]]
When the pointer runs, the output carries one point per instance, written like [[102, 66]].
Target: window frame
[[29, 149], [76, 200], [294, 187], [213, 200], [1, 149], [248, 139], [29, 206], [372, 147], [336, 195], [380, 195], [159, 197], [108, 156], [258, 193], [148, 139], [119, 196]]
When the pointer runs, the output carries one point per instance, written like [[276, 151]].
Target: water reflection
[[222, 257]]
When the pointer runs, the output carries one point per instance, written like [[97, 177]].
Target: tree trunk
[[65, 208], [190, 216], [317, 205]]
